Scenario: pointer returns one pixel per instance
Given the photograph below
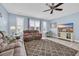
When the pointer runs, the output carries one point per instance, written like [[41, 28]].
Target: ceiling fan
[[53, 7]]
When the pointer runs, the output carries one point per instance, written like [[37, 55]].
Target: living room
[[30, 30]]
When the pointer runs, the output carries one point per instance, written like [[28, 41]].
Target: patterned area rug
[[48, 48]]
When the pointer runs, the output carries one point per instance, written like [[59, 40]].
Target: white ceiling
[[35, 9]]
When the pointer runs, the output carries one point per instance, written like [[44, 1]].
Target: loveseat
[[31, 35]]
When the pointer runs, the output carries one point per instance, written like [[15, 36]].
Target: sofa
[[31, 35], [14, 48]]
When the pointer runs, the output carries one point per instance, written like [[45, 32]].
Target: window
[[34, 24], [44, 26], [19, 25], [3, 24], [37, 25], [31, 24]]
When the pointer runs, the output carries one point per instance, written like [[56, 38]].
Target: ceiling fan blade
[[58, 5], [58, 9], [49, 5], [46, 10], [51, 11]]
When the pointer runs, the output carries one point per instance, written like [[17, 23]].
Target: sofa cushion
[[5, 46], [7, 53], [26, 34], [2, 46], [17, 51], [1, 35], [1, 41]]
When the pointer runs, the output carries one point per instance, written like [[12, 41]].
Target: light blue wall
[[74, 18], [12, 20], [26, 23], [3, 19]]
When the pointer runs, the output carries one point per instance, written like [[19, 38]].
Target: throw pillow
[[2, 46], [1, 35], [1, 41]]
